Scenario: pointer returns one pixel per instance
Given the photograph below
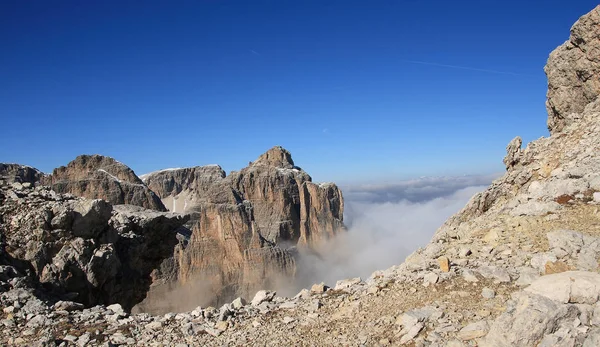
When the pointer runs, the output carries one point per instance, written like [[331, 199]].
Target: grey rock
[[411, 333], [513, 152], [430, 278], [493, 272], [238, 303], [68, 306], [568, 287], [347, 283], [527, 275], [572, 71], [473, 331], [90, 217], [535, 208], [527, 321], [488, 293], [262, 296]]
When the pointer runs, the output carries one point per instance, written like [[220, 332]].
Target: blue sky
[[356, 90]]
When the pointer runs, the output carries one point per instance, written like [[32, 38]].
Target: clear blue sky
[[356, 90]]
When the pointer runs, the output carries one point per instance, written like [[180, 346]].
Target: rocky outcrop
[[84, 250], [551, 172], [573, 73], [245, 223], [100, 177], [11, 173]]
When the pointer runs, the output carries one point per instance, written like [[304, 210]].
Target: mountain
[[100, 177], [244, 225]]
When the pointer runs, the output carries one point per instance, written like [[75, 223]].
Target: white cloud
[[385, 224]]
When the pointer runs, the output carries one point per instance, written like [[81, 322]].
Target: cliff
[[244, 224]]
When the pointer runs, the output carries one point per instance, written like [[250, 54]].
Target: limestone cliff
[[245, 223], [100, 177]]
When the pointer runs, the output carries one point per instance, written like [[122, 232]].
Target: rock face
[[573, 73], [550, 172], [100, 177], [19, 173], [244, 223], [83, 250]]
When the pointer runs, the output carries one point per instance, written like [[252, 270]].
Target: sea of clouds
[[386, 223]]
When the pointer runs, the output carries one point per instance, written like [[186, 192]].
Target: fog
[[387, 222]]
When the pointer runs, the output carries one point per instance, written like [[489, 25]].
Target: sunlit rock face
[[573, 73], [245, 225], [100, 177]]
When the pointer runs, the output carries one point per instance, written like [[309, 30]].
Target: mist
[[386, 223]]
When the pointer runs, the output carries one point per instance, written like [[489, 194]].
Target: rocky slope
[[518, 266], [85, 250], [244, 225], [100, 177]]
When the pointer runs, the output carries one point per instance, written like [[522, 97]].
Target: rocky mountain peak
[[277, 157], [101, 177], [85, 165], [573, 73], [20, 173]]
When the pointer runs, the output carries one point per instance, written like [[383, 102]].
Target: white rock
[[153, 326], [262, 296], [411, 333], [117, 309], [488, 293], [238, 303], [473, 331], [571, 286], [347, 283], [430, 278]]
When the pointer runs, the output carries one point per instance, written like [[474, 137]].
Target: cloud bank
[[387, 222]]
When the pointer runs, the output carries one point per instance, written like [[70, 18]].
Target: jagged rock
[[262, 296], [513, 152], [100, 177], [240, 221], [572, 72], [17, 173], [182, 189], [95, 254]]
